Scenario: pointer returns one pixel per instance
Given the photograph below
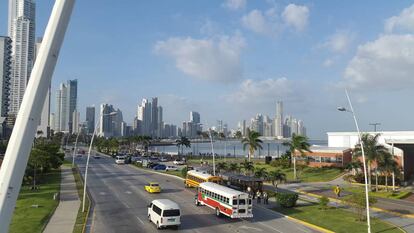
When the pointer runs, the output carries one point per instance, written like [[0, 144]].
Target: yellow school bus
[[194, 178]]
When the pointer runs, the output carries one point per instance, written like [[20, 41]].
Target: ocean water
[[230, 148]]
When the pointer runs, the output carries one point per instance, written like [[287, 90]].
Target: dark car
[[160, 167], [152, 165]]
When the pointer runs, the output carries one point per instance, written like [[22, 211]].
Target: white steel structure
[[17, 155]]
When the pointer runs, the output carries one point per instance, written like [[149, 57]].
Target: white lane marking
[[270, 227], [126, 205], [140, 220], [250, 228], [102, 193], [128, 192]]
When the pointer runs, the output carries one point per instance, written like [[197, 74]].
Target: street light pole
[[342, 109], [89, 155], [17, 154]]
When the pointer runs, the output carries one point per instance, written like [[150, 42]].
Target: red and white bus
[[224, 200]]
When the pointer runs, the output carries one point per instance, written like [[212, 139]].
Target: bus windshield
[[241, 202]]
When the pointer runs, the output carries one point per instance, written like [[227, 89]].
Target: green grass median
[[28, 218], [336, 219]]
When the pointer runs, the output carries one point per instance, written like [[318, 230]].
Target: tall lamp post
[[89, 155], [343, 109]]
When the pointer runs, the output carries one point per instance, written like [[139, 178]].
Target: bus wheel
[[218, 214]]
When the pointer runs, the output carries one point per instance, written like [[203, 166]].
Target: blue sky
[[231, 59]]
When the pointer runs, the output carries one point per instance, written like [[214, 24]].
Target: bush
[[287, 200], [323, 202], [279, 162], [184, 172]]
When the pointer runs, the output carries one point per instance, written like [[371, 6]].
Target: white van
[[164, 213], [120, 159]]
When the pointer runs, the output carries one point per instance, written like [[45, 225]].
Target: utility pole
[[17, 155], [375, 126]]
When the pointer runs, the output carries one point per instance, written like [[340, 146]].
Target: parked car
[[178, 162], [171, 168], [164, 213], [162, 159], [159, 167], [152, 165], [96, 156]]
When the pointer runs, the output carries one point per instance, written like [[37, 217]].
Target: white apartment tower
[[21, 30], [278, 122]]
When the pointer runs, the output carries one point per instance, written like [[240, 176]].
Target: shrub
[[287, 200], [323, 202], [279, 162], [184, 172]]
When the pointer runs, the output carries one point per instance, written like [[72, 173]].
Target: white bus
[[224, 200]]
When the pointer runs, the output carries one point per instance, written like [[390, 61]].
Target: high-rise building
[[160, 123], [5, 74], [21, 30], [154, 117], [66, 104], [278, 122], [75, 122], [62, 111], [72, 86], [144, 115], [90, 119], [195, 117]]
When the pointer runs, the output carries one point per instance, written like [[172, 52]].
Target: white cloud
[[257, 22], [263, 92], [386, 63], [340, 41], [403, 22], [296, 16], [328, 62], [213, 59], [235, 4]]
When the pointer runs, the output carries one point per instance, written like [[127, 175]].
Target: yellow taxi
[[153, 187]]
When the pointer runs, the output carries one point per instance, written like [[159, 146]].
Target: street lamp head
[[342, 109]]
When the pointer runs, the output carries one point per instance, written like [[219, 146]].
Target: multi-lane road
[[121, 204]]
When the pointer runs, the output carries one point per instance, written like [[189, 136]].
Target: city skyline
[[261, 64]]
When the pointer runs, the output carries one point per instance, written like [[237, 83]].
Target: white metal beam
[[18, 150]]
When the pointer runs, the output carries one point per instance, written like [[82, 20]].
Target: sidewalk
[[64, 218]]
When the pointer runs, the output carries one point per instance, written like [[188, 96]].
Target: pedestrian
[[265, 198], [337, 191], [259, 197]]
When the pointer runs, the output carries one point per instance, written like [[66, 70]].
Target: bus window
[[242, 202], [234, 201]]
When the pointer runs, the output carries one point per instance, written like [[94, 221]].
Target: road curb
[[154, 172], [373, 208]]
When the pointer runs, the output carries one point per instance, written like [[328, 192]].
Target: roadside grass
[[335, 219], [29, 219], [382, 193], [81, 217]]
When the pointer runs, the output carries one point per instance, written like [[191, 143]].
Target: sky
[[232, 59]]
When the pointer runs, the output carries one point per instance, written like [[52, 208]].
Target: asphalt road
[[121, 204]]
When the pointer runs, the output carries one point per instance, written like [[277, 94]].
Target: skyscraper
[[278, 122], [90, 119], [5, 74], [66, 104], [195, 117], [154, 117], [21, 30]]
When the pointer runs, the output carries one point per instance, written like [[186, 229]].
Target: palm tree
[[354, 166], [183, 141], [238, 134], [388, 166], [374, 153], [233, 167], [252, 141], [298, 143], [222, 166], [247, 166], [276, 176], [261, 172]]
